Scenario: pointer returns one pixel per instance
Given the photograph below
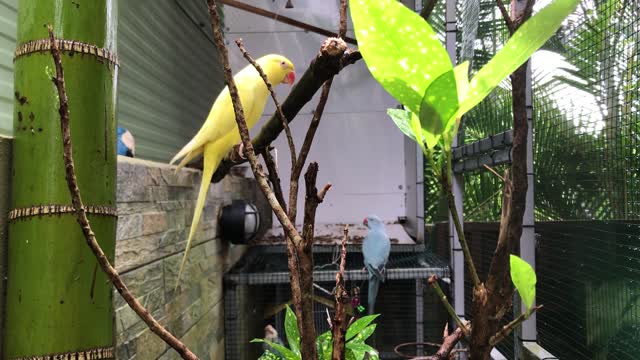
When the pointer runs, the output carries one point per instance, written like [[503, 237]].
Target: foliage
[[356, 349], [441, 94], [524, 279]]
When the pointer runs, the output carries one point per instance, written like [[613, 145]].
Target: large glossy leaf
[[402, 119], [439, 103], [524, 279], [364, 334], [324, 345], [400, 49], [359, 349], [288, 354], [291, 329], [359, 325], [524, 42]]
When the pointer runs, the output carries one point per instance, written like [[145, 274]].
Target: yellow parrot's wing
[[250, 96]]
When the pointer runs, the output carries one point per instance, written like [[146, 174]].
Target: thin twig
[[505, 16], [507, 329], [285, 123], [339, 323], [273, 177], [242, 126], [81, 214], [493, 172], [433, 281]]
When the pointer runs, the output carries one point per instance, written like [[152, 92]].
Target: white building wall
[[357, 146]]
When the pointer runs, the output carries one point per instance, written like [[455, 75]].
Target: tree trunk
[[58, 300]]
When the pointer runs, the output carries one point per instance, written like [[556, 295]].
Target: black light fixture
[[239, 222], [289, 4]]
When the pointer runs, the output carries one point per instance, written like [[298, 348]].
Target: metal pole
[[457, 257]]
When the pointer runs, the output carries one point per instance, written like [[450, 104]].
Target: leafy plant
[[356, 349], [524, 279]]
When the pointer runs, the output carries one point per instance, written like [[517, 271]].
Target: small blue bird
[[126, 144], [375, 249]]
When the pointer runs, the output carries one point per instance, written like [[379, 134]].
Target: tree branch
[[242, 127], [507, 329], [433, 282], [273, 177], [342, 297], [505, 16], [283, 119], [427, 9], [81, 214], [332, 58]]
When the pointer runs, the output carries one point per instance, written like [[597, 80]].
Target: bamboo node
[[70, 46], [89, 354], [57, 209]]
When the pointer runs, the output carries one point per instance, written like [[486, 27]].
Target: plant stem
[[433, 281], [339, 319], [448, 188], [507, 329], [81, 214]]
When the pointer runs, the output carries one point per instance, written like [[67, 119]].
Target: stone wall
[[155, 207]]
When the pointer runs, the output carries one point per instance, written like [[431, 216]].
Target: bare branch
[[285, 123], [339, 324], [507, 329], [244, 131], [81, 214], [505, 16], [433, 281], [427, 9]]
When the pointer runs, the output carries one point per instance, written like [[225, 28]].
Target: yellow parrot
[[220, 131]]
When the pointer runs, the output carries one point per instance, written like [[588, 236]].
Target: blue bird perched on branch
[[375, 249], [126, 145]]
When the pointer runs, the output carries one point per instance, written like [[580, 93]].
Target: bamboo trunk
[[58, 300]]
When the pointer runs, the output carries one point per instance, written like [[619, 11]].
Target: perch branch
[[283, 119], [433, 282], [81, 214], [507, 329], [333, 57], [242, 127], [445, 350], [339, 324], [283, 19]]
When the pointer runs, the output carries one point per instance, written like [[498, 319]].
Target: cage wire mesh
[[587, 179], [257, 289]]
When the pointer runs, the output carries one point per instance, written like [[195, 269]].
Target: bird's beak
[[290, 78], [365, 222]]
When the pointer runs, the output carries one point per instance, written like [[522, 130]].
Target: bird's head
[[278, 68], [373, 222]]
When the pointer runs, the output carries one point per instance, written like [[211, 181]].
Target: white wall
[[358, 148]]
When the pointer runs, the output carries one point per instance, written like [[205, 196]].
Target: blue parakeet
[[375, 249], [126, 145]]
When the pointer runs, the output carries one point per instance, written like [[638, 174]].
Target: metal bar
[[496, 158], [493, 142], [284, 19], [419, 316]]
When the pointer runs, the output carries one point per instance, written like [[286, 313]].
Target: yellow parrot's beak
[[290, 78]]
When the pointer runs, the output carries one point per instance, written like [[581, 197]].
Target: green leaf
[[324, 345], [359, 325], [439, 103], [522, 44], [291, 329], [288, 354], [402, 119], [524, 279], [268, 355], [400, 49], [359, 349], [364, 334], [350, 355]]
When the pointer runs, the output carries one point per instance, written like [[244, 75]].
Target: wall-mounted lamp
[[239, 222], [289, 5]]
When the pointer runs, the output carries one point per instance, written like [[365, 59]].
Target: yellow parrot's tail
[[213, 153]]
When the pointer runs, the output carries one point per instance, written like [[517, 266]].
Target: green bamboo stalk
[[58, 300]]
